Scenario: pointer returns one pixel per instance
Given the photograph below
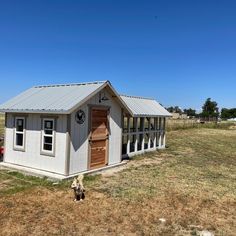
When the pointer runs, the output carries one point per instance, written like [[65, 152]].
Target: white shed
[[69, 129]]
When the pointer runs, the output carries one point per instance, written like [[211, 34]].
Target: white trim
[[43, 134], [15, 146]]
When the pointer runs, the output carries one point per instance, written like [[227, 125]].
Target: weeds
[[173, 125], [192, 185]]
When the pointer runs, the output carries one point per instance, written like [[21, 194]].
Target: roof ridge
[[71, 84], [139, 97]]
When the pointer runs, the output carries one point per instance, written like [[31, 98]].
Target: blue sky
[[177, 51]]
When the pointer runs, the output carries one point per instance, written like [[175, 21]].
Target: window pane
[[124, 144], [20, 125], [152, 140], [141, 124], [132, 143], [19, 139], [125, 125], [157, 139], [159, 125], [138, 124], [132, 125], [47, 140], [140, 139], [146, 139], [47, 147], [152, 124], [48, 124], [47, 131], [146, 121]]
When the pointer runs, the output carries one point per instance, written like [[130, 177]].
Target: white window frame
[[15, 146], [43, 134]]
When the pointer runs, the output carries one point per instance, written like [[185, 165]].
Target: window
[[146, 140], [158, 135], [124, 144], [138, 124], [152, 140], [48, 136], [19, 138], [140, 141], [141, 124], [160, 123], [146, 123], [132, 124], [125, 124], [152, 123], [132, 143]]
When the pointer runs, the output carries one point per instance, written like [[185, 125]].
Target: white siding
[[79, 135], [31, 157]]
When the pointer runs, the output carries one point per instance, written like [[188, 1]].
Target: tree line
[[210, 110]]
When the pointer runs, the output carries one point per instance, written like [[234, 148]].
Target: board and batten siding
[[80, 134], [31, 157]]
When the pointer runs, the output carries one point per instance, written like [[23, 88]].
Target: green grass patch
[[12, 182]]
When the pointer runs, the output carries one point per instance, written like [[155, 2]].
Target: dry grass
[[192, 184], [179, 124]]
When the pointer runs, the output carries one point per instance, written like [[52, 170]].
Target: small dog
[[78, 187]]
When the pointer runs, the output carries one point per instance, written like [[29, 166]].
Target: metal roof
[[52, 98], [64, 99], [141, 107]]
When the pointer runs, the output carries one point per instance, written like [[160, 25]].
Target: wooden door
[[98, 138]]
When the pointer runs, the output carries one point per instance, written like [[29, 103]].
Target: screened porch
[[142, 134]]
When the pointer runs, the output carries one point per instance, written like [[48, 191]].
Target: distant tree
[[170, 109], [228, 113], [175, 109], [178, 110], [225, 114], [190, 112], [210, 109]]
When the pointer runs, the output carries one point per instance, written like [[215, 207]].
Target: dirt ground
[[191, 185]]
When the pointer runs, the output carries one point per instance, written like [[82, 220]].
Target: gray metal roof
[[64, 99], [141, 107], [52, 98]]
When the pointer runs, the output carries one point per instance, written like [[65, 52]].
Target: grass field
[[179, 124], [192, 184]]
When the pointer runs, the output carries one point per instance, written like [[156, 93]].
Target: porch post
[[164, 132], [155, 133], [142, 128], [128, 136], [160, 133], [149, 133], [136, 135], [68, 144]]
